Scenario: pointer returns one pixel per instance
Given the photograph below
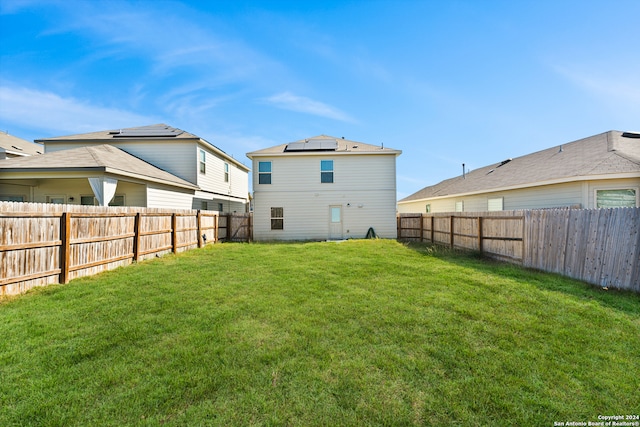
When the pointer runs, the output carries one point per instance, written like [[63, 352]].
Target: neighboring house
[[101, 174], [324, 188], [152, 166], [600, 171], [11, 146]]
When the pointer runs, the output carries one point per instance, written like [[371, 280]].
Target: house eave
[[78, 172], [325, 153]]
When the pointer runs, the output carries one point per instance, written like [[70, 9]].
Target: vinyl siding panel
[[307, 214], [298, 173], [158, 197]]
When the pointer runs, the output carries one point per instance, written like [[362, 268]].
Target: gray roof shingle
[[606, 153], [99, 158]]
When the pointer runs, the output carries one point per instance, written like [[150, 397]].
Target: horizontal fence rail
[[598, 246], [42, 244]]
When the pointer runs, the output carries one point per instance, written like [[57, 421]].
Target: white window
[[58, 200], [11, 198], [326, 171], [620, 198], [460, 206], [87, 200], [495, 204], [264, 172], [118, 200], [226, 172], [277, 218], [203, 161], [428, 207]]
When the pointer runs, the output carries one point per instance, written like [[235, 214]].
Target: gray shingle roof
[[345, 146], [19, 146], [603, 154], [157, 132], [98, 158]]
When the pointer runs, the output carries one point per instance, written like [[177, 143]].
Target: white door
[[335, 224]]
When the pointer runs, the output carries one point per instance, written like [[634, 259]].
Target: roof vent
[[631, 134], [504, 162], [17, 148]]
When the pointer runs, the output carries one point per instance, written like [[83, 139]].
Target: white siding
[[364, 186], [213, 179], [158, 197], [572, 194]]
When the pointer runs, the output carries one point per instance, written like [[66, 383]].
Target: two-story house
[[150, 166], [324, 188]]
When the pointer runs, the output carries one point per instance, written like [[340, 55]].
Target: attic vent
[[631, 134], [17, 148], [504, 162], [355, 146]]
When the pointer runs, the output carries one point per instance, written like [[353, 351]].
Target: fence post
[[421, 227], [228, 239], [216, 225], [199, 228], [137, 226], [480, 234], [451, 218], [174, 233], [65, 248]]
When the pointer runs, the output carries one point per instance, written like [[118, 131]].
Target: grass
[[357, 333]]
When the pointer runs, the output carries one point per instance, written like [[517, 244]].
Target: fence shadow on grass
[[621, 300]]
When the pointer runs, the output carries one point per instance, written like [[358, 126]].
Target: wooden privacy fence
[[42, 244], [598, 246]]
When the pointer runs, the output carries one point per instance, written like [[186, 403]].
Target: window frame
[[326, 174], [459, 206], [226, 172], [203, 162], [264, 173], [277, 218]]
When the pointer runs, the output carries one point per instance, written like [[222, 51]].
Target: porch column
[[103, 189]]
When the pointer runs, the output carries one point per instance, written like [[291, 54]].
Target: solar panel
[[323, 144], [147, 132]]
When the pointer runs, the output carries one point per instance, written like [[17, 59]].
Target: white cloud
[[301, 104], [51, 112]]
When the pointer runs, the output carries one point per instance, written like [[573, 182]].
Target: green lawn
[[356, 333]]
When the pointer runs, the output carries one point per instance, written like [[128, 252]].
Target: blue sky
[[446, 82]]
